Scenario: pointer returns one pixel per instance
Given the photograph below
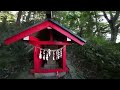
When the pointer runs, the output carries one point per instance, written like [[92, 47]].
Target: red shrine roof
[[41, 26]]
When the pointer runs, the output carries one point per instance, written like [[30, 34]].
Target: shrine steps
[[49, 75]]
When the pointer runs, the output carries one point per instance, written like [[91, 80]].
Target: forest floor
[[70, 75]]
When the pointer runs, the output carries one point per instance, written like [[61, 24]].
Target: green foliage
[[15, 57], [84, 23], [8, 15], [101, 59], [98, 58], [98, 40]]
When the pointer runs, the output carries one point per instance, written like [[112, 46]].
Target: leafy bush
[[99, 59], [15, 57]]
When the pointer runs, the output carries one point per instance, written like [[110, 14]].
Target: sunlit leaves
[[8, 15]]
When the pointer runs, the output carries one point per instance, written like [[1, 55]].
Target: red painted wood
[[27, 32], [64, 56], [50, 70], [40, 27], [36, 60], [57, 28], [48, 43], [32, 38], [41, 61]]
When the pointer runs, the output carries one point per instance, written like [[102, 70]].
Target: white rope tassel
[[47, 56], [53, 55], [60, 53], [57, 54], [40, 54], [43, 54], [49, 52]]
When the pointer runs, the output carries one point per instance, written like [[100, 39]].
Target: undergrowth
[[97, 59], [14, 58]]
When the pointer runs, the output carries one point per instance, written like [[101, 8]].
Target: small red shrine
[[49, 39]]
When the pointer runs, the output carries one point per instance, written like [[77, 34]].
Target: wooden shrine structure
[[49, 39]]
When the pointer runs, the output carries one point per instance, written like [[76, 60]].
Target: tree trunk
[[113, 35], [28, 17], [48, 14], [96, 24], [4, 22], [34, 13], [81, 31], [24, 16], [19, 17], [112, 22], [34, 16], [113, 32]]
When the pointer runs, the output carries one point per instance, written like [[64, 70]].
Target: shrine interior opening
[[49, 35], [51, 61]]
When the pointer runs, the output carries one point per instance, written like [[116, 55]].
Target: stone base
[[51, 66], [48, 75]]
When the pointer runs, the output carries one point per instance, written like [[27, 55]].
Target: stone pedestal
[[48, 75]]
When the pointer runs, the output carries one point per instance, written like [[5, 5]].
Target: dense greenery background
[[99, 58]]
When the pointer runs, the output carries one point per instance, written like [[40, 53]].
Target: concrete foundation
[[48, 75]]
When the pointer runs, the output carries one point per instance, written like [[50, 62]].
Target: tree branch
[[117, 26], [105, 15], [105, 31], [111, 15], [116, 15], [48, 14]]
